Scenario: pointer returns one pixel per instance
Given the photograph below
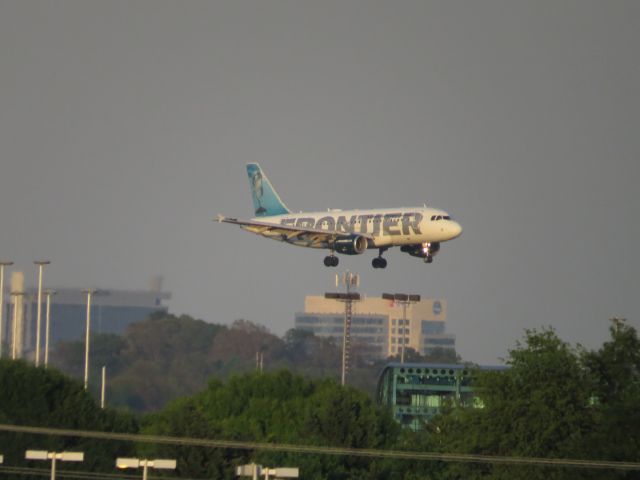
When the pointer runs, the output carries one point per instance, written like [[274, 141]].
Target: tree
[[539, 407], [614, 372], [46, 398], [276, 407]]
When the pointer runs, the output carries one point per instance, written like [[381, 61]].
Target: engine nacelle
[[352, 245]]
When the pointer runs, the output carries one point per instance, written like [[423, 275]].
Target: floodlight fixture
[[54, 456], [254, 471], [156, 464]]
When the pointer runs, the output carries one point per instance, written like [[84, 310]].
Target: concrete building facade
[[378, 326]]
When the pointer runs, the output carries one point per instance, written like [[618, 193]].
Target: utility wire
[[358, 452], [80, 475]]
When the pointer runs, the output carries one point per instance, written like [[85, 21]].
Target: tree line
[[555, 401], [166, 357]]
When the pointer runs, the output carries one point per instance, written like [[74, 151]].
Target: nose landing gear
[[429, 249]]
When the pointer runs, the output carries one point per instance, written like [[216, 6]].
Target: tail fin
[[266, 201]]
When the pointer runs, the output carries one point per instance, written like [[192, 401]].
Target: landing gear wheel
[[331, 261], [379, 262], [428, 259]]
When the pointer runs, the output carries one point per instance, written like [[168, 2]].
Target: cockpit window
[[440, 217]]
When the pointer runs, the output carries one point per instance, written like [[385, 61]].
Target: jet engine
[[351, 245]]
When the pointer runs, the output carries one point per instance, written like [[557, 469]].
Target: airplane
[[418, 231]]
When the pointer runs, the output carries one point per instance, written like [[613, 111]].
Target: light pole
[[47, 333], [40, 264], [254, 471], [103, 386], [405, 300], [16, 328], [158, 464], [2, 265], [349, 279], [53, 456], [90, 292]]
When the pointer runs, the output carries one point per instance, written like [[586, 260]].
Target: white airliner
[[418, 231]]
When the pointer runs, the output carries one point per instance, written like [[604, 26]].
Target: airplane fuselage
[[384, 227]]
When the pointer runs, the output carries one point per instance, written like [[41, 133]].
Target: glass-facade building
[[415, 392], [112, 311]]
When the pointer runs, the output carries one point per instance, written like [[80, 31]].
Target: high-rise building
[[378, 327]]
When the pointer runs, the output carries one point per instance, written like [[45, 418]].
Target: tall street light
[[90, 292], [16, 328], [47, 333], [158, 464], [40, 264], [404, 300], [53, 456], [2, 265], [348, 279]]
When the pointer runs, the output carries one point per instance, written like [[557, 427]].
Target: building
[[112, 311], [415, 392], [378, 328]]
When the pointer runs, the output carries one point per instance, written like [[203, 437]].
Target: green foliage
[[614, 372], [554, 402], [276, 407], [46, 398]]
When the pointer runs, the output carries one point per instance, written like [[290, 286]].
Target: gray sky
[[125, 127]]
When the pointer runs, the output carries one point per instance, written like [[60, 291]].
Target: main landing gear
[[331, 261], [379, 262]]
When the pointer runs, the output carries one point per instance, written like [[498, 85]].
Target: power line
[[78, 474], [358, 452]]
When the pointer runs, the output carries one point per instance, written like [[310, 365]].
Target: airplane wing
[[302, 236]]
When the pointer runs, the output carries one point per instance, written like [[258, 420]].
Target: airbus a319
[[418, 231]]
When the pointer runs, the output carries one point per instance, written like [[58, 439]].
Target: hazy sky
[[125, 127]]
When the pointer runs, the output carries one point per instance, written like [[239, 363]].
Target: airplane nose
[[456, 229]]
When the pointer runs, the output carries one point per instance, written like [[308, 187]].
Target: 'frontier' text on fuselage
[[389, 224]]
